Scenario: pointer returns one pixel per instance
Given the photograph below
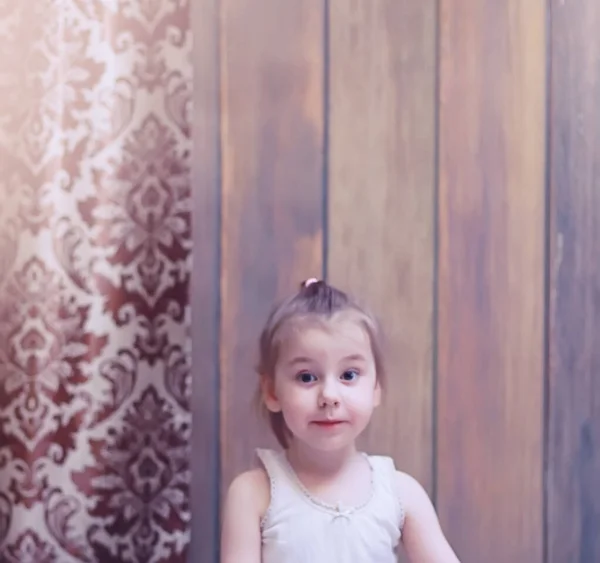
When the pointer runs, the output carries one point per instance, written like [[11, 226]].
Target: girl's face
[[325, 383]]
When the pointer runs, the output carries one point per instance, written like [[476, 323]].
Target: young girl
[[319, 500]]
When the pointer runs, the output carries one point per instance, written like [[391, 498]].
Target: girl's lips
[[328, 422]]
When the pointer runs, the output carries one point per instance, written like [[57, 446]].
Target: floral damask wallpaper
[[94, 271]]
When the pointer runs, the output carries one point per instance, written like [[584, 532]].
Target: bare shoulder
[[250, 489], [245, 504], [422, 535], [410, 490]]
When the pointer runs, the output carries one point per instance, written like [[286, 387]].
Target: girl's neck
[[305, 459]]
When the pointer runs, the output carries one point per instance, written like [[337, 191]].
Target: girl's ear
[[377, 394], [268, 394]]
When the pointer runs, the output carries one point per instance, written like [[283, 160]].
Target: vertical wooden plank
[[272, 109], [204, 285], [574, 378], [491, 278], [381, 201]]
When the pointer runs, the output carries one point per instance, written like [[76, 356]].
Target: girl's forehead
[[342, 334]]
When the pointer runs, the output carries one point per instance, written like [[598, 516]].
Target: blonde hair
[[315, 299]]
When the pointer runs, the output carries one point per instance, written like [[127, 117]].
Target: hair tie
[[309, 281]]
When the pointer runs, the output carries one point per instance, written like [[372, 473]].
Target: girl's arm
[[246, 501], [422, 536]]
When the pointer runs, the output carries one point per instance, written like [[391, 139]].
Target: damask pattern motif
[[94, 276]]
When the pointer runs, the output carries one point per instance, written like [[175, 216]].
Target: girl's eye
[[306, 377], [350, 375]]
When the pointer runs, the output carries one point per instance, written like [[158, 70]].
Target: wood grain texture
[[381, 201], [204, 285], [272, 112], [574, 377], [491, 278]]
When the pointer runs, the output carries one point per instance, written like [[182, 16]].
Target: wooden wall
[[441, 160]]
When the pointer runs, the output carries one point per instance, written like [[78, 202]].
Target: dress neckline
[[336, 508]]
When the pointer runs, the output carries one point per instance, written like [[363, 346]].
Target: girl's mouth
[[328, 423]]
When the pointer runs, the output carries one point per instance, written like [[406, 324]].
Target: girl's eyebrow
[[299, 360], [355, 357], [306, 360]]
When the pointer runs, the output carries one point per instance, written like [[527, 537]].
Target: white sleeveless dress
[[298, 528]]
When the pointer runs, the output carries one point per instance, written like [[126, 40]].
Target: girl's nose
[[325, 402], [329, 396]]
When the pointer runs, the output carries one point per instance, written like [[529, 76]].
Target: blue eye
[[350, 375], [306, 377]]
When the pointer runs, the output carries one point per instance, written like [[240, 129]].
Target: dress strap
[[268, 458], [387, 479], [281, 490]]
